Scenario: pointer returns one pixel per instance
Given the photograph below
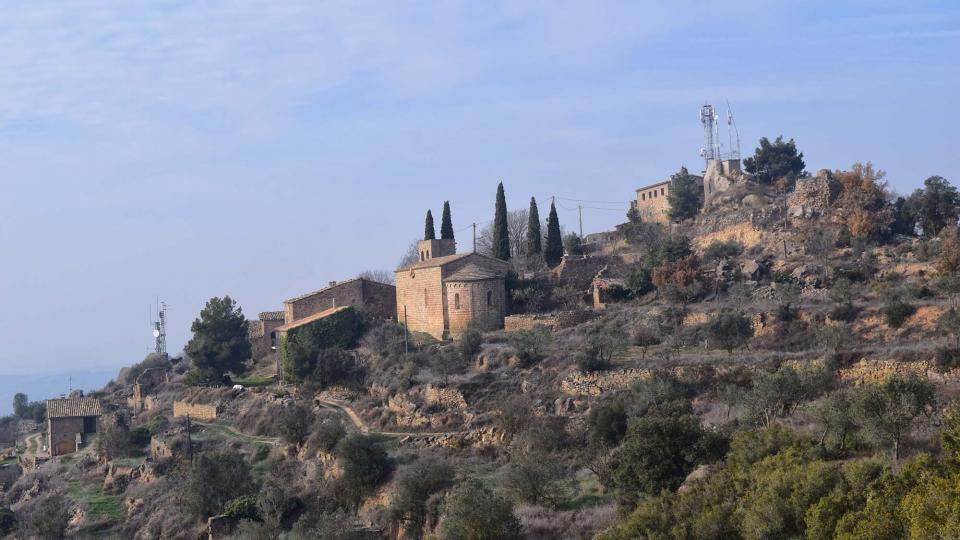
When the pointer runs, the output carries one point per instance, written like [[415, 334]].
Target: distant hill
[[38, 387]]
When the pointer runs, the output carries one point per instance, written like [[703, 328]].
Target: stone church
[[444, 292]]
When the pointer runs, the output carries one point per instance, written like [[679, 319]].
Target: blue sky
[[261, 149]]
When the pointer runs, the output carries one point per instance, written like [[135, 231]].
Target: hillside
[[782, 364]]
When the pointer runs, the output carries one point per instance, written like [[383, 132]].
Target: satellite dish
[[156, 333]]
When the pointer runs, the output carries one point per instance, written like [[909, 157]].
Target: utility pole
[[474, 239], [580, 213], [406, 345], [189, 441]]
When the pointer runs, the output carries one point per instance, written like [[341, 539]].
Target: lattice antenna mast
[[711, 140], [733, 134], [160, 330]]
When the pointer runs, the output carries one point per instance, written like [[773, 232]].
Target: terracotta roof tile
[[68, 408], [270, 316]]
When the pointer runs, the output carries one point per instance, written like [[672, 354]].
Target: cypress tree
[[553, 253], [446, 225], [501, 234], [428, 231], [534, 246]]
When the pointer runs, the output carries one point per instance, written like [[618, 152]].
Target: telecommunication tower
[[711, 137], [733, 134], [160, 330]]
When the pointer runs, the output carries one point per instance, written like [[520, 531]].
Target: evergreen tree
[[554, 249], [776, 160], [685, 196], [534, 246], [446, 224], [501, 233], [428, 231], [219, 344]]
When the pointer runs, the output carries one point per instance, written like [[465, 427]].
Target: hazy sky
[[260, 149]]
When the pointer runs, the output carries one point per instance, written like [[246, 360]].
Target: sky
[[185, 150]]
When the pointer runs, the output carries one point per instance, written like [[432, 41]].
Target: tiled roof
[[318, 291], [311, 318], [270, 316], [67, 408], [474, 272], [434, 262]]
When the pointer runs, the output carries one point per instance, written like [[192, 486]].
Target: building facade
[[652, 202], [445, 293], [374, 298], [71, 423], [262, 333]]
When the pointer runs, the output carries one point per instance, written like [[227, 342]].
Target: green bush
[[8, 521], [896, 312], [473, 512], [214, 479], [158, 424], [845, 312], [530, 345], [243, 507], [718, 250], [471, 340]]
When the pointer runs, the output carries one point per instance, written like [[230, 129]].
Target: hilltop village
[[756, 352]]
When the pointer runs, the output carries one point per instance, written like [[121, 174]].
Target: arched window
[[456, 301], [663, 191], [489, 298], [425, 298], [273, 339]]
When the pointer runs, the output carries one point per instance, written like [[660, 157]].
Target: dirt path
[[34, 443], [364, 428], [233, 432]]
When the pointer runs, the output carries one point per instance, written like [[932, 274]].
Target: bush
[[158, 424], [327, 433], [947, 358], [294, 423], [474, 512], [413, 487], [365, 466], [215, 478], [471, 340], [845, 312], [729, 330], [385, 340], [140, 437], [243, 507], [8, 521], [607, 423], [896, 312], [639, 282], [47, 520], [718, 250], [530, 345], [589, 363]]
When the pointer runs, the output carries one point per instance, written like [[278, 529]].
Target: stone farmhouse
[[71, 423], [371, 297], [444, 293]]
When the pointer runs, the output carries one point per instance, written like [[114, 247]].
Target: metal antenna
[[708, 119], [733, 134], [160, 330]]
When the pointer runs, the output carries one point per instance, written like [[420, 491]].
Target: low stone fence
[[199, 412]]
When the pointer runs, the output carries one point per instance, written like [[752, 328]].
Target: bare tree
[[517, 222], [380, 276], [411, 256]]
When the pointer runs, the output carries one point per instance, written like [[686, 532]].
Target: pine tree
[[534, 246], [446, 224], [501, 234], [553, 252], [685, 197], [428, 231]]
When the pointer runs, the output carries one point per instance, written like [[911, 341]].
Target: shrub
[[365, 466], [534, 479], [158, 424], [327, 434], [243, 507], [947, 358], [215, 478], [471, 340], [589, 363], [385, 340], [514, 414], [729, 330], [8, 521], [530, 345], [607, 423], [680, 279], [140, 437], [294, 423], [639, 281], [474, 512], [413, 487], [896, 312], [718, 250], [47, 520], [845, 312]]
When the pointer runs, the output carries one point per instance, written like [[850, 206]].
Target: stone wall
[[652, 203], [377, 299], [812, 196], [481, 304], [62, 435], [421, 304], [196, 411], [514, 323], [449, 398]]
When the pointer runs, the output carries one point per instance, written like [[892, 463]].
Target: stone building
[[719, 176], [71, 423], [262, 333], [653, 201], [374, 298], [444, 293]]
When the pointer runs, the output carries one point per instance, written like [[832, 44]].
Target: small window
[[489, 298], [273, 339], [663, 191], [643, 196], [456, 301]]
